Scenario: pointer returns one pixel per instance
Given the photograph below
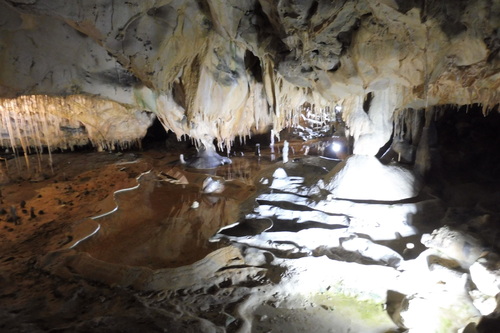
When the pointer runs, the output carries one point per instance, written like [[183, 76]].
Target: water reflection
[[156, 226]]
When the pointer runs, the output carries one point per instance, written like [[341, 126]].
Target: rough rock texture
[[297, 260], [65, 122], [220, 69]]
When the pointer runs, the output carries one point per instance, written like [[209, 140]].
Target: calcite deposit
[[249, 166], [217, 70]]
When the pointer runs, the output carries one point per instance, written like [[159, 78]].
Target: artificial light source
[[336, 147]]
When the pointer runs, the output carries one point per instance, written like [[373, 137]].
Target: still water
[[164, 224]]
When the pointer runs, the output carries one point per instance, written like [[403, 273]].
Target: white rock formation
[[280, 173], [285, 152], [486, 275], [214, 69], [363, 177], [65, 122], [368, 249]]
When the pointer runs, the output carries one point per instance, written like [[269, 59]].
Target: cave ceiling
[[213, 69]]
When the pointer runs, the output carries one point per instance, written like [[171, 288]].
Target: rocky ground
[[297, 260]]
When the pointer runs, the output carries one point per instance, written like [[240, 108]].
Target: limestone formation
[[216, 69], [460, 247], [315, 245], [365, 178], [207, 158]]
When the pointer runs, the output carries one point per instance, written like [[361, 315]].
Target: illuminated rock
[[210, 69], [207, 158], [368, 249], [280, 173], [34, 122], [438, 290], [365, 178], [443, 312], [455, 245], [485, 273]]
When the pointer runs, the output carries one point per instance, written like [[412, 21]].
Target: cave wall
[[221, 69]]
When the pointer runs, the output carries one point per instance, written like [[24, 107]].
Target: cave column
[[362, 176], [371, 121]]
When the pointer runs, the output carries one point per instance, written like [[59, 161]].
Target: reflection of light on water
[[122, 191], [155, 225], [87, 236], [114, 209], [159, 224]]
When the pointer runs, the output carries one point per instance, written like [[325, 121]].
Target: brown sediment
[[153, 226], [157, 225]]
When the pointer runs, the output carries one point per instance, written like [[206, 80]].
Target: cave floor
[[170, 256]]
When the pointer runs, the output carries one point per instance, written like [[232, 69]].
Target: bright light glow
[[336, 147]]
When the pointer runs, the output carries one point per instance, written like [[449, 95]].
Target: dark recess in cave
[[385, 148], [345, 37], [156, 136], [469, 144], [451, 11], [312, 10], [367, 102], [335, 68], [447, 12], [178, 93], [160, 13], [119, 75], [405, 5], [252, 64]]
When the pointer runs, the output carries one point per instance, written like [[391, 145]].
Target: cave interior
[[250, 166]]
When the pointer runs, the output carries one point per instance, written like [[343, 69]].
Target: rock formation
[[220, 69], [274, 241]]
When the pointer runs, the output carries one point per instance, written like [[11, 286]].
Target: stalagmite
[[285, 151], [363, 176], [272, 141], [207, 158]]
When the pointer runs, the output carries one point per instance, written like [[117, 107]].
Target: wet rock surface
[[283, 254], [278, 240], [206, 159]]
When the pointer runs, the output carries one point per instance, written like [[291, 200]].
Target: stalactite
[[33, 124]]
